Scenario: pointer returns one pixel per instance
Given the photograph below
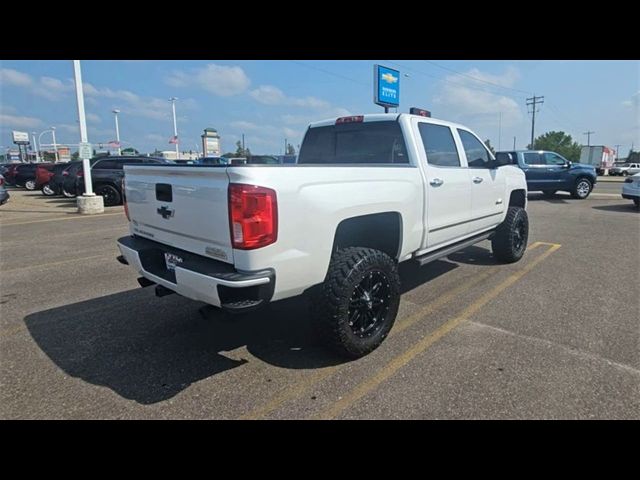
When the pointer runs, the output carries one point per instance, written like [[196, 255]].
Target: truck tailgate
[[181, 206]]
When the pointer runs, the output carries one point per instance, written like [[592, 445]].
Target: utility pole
[[285, 146], [116, 112], [243, 143], [55, 145], [514, 143], [534, 101], [617, 149], [175, 126], [35, 146], [499, 131], [588, 134]]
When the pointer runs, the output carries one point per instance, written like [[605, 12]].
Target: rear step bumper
[[197, 277]]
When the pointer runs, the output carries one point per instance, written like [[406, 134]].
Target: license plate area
[[171, 260]]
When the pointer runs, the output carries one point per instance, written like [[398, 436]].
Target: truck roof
[[381, 117]]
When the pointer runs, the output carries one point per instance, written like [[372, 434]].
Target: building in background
[[171, 155], [64, 153], [210, 143]]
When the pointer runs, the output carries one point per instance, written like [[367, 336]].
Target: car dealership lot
[[556, 335]]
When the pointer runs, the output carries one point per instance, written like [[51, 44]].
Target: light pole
[[115, 113], [175, 126], [35, 146], [55, 145]]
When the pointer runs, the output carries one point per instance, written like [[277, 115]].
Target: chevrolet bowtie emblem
[[165, 212]]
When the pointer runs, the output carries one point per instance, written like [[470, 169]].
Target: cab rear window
[[349, 143]]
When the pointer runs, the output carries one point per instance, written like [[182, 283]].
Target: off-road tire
[[510, 239], [349, 271]]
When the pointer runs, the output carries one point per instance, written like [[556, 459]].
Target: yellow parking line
[[62, 218], [399, 361], [41, 265], [308, 382]]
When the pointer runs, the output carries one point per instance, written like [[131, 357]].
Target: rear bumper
[[198, 277]]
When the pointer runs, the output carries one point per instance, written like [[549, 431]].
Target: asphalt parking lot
[[554, 336]]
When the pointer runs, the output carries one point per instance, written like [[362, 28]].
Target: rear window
[[371, 142]]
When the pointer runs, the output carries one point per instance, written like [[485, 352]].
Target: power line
[[534, 101], [519, 97], [476, 78], [330, 73]]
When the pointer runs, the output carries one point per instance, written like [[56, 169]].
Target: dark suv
[[549, 172], [106, 176]]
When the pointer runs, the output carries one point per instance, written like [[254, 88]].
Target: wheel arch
[[380, 231]]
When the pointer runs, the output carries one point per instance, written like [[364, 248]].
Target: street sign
[[85, 151], [386, 86], [20, 138]]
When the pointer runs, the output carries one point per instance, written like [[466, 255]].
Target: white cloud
[[8, 76], [464, 100], [93, 118], [270, 95], [156, 137], [221, 80], [244, 125], [633, 101], [16, 121]]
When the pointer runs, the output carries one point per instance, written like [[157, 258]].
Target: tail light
[[1, 181], [352, 119], [65, 173], [124, 200], [79, 174], [253, 216]]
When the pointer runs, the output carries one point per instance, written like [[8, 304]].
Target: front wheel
[[67, 194], [356, 306], [47, 190], [510, 239], [582, 188], [30, 185], [625, 173]]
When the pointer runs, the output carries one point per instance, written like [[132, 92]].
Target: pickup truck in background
[[625, 169], [368, 192], [549, 172]]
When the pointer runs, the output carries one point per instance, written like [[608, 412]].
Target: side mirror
[[568, 164], [502, 159]]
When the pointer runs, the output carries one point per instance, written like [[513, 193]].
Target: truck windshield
[[370, 142]]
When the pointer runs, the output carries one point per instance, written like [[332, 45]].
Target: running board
[[449, 249]]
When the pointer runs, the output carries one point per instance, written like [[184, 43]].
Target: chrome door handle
[[477, 179], [436, 182]]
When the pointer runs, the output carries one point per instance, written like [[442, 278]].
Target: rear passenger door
[[448, 192], [488, 184], [535, 170]]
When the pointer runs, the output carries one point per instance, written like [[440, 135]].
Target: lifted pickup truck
[[368, 192]]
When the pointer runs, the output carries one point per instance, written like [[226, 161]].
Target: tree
[[49, 156], [488, 145], [242, 152], [291, 150], [559, 142], [75, 156]]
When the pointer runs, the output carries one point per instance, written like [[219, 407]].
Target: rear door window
[[533, 158], [439, 145], [348, 143]]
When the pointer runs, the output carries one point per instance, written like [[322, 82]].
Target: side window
[[552, 159], [439, 145], [477, 154], [104, 165], [533, 159]]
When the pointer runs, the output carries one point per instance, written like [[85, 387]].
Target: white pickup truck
[[368, 192]]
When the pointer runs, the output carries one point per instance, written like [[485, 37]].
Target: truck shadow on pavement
[[621, 207], [149, 349]]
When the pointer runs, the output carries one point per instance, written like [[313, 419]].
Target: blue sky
[[269, 101]]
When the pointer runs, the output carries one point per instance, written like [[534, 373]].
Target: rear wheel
[[67, 194], [510, 240], [30, 184], [110, 194], [582, 188], [625, 173], [356, 306], [47, 190]]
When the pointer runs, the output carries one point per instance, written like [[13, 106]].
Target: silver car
[[4, 194]]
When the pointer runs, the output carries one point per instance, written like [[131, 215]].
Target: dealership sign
[[20, 138], [386, 86]]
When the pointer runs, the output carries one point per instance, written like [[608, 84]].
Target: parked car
[[107, 174], [44, 172], [45, 178], [631, 189], [4, 194], [59, 175], [368, 192], [25, 175], [550, 172], [625, 169]]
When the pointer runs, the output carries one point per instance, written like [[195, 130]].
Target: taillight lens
[[253, 216], [124, 200], [65, 173], [80, 173]]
